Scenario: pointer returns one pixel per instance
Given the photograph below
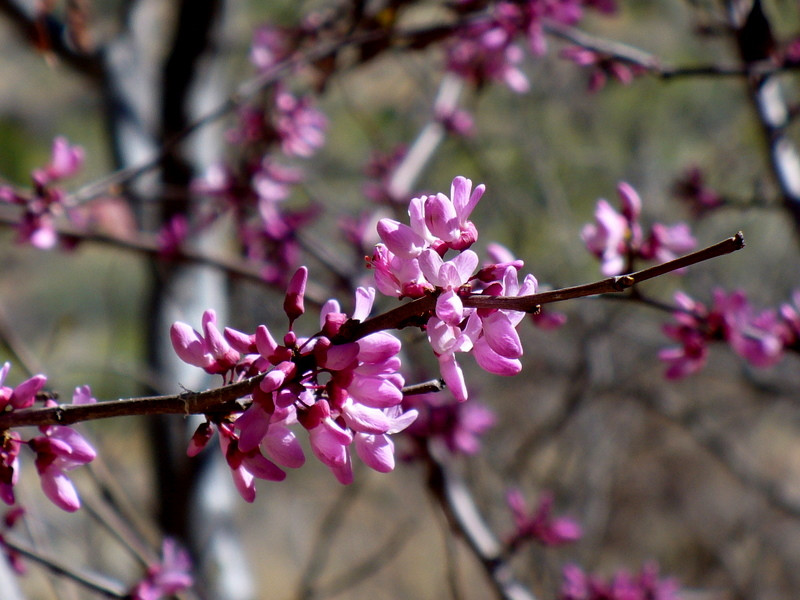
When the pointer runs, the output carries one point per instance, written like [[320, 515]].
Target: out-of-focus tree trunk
[[163, 74]]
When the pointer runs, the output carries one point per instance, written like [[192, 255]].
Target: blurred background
[[701, 475]]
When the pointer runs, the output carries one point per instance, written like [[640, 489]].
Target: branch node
[[623, 282]]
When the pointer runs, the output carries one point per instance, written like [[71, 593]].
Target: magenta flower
[[648, 585], [458, 426], [209, 351], [60, 449], [539, 525], [605, 238], [329, 441], [293, 304], [449, 276], [760, 338], [446, 340], [65, 161], [270, 46], [617, 238], [756, 337], [485, 52], [167, 578], [300, 127], [246, 467], [24, 394]]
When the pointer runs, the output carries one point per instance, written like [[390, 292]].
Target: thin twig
[[60, 568]]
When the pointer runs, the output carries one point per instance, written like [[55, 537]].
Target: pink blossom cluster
[[602, 66], [647, 585], [618, 239], [411, 262], [167, 577], [344, 395], [456, 426], [58, 448], [760, 337], [270, 136], [539, 525], [44, 203], [486, 50]]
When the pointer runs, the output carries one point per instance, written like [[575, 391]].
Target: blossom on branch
[[617, 238], [539, 525], [166, 578], [456, 425], [45, 202], [343, 395], [60, 449], [647, 585], [758, 337]]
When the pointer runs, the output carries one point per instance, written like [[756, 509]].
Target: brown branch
[[458, 505], [408, 313], [223, 400]]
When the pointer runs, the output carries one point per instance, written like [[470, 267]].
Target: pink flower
[[447, 219], [398, 277], [300, 127], [456, 425], [293, 303], [760, 338], [446, 340], [449, 276], [605, 238], [602, 66], [246, 466], [578, 585], [329, 441], [667, 242], [65, 161], [270, 46], [485, 52], [617, 238], [167, 578], [539, 525], [209, 350], [60, 449]]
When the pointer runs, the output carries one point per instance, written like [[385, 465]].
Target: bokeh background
[[701, 475]]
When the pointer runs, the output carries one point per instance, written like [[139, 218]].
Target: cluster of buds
[[58, 448], [486, 50], [348, 390], [341, 394], [647, 585], [539, 525], [760, 337], [44, 203], [618, 239], [411, 262]]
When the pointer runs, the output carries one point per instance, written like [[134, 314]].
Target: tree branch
[[223, 400]]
